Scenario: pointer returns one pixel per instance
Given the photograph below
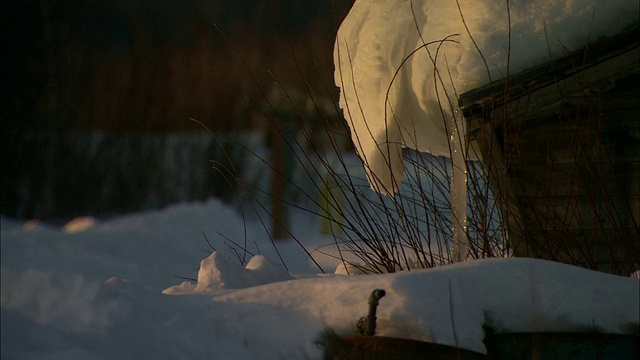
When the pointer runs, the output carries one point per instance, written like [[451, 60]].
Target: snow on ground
[[108, 290], [94, 291]]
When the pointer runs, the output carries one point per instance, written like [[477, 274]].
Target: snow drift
[[97, 294], [451, 304]]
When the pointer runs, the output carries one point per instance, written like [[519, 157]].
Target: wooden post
[[277, 190]]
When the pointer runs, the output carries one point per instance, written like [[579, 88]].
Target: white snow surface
[[107, 291], [390, 103]]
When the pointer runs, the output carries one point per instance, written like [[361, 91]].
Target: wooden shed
[[561, 145]]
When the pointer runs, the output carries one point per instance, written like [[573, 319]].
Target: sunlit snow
[[401, 65]]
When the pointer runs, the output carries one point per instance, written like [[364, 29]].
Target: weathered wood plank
[[542, 180], [562, 149], [577, 213]]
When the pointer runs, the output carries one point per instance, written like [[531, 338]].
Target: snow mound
[[451, 304], [218, 272], [347, 268], [79, 224]]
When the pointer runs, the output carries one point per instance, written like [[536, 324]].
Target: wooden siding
[[563, 158]]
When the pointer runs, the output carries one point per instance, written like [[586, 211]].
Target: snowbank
[[97, 294], [92, 289], [220, 273], [451, 304]]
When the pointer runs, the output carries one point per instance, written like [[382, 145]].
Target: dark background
[[135, 69]]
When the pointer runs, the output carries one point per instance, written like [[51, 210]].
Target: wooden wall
[[564, 162]]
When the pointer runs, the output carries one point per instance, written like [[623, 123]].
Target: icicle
[[458, 193]]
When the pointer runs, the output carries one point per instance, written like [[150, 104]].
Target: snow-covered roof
[[402, 64], [623, 46]]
